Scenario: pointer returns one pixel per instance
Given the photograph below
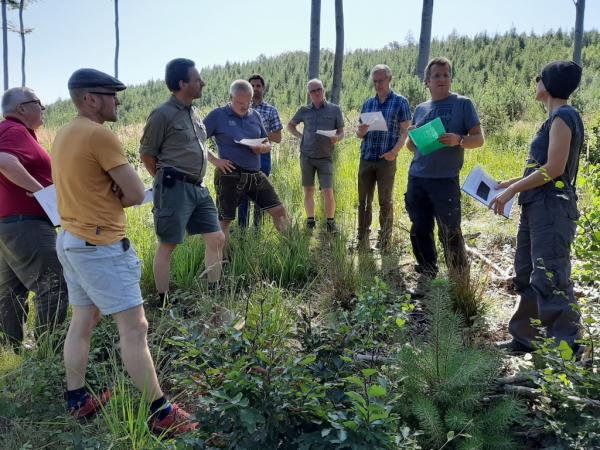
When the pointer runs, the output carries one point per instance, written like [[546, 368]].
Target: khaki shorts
[[323, 167]]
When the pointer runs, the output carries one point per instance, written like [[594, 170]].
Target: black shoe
[[311, 224], [513, 347], [331, 228]]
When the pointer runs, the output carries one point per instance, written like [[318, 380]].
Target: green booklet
[[426, 136]]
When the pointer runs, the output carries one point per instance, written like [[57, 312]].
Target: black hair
[[177, 70], [257, 77]]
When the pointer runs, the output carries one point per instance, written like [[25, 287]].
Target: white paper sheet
[[328, 133], [482, 187], [375, 120], [251, 142], [47, 200], [148, 197]]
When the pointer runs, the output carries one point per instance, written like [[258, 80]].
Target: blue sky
[[70, 34]]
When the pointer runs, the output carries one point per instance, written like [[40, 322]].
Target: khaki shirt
[[82, 155], [174, 134], [327, 117]]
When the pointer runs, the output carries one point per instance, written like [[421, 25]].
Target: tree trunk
[[116, 38], [5, 44], [22, 33], [580, 10], [315, 47], [338, 62], [425, 38]]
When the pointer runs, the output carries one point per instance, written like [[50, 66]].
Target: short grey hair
[[13, 97], [241, 86], [382, 67], [314, 80]]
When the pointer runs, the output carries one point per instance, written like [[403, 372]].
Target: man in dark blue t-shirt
[[241, 138], [433, 191]]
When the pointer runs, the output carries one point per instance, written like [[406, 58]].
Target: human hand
[[363, 129], [499, 202], [389, 156], [116, 190], [503, 184], [224, 165], [333, 139], [450, 139]]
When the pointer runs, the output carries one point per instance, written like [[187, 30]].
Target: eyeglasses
[[312, 91], [108, 94], [38, 102], [538, 78]]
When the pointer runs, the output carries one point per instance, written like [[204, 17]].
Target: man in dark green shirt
[[173, 151]]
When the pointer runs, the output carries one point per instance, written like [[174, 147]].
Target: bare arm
[[472, 140], [149, 163], [558, 154], [291, 127], [224, 165], [391, 155], [11, 168], [275, 136], [129, 184], [339, 136]]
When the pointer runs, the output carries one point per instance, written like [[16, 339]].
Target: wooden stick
[[488, 262]]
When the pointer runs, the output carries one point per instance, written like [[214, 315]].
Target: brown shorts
[[233, 187]]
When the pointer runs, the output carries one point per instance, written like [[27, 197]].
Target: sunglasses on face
[[313, 91], [538, 78]]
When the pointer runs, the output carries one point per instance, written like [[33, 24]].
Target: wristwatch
[[461, 141]]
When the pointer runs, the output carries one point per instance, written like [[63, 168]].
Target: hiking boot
[[513, 347], [311, 224], [91, 406], [331, 228], [178, 421]]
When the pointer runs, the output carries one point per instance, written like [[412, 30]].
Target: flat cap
[[92, 78]]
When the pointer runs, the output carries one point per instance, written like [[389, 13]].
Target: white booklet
[[482, 187], [47, 199], [148, 197], [251, 142], [375, 120], [328, 133]]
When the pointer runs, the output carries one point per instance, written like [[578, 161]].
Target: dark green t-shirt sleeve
[[154, 134]]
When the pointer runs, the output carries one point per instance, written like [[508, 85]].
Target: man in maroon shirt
[[28, 261]]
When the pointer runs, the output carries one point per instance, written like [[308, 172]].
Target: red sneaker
[[178, 421], [92, 405]]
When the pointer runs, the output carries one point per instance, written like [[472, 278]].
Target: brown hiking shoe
[[178, 421]]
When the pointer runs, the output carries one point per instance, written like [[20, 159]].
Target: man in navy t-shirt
[[433, 191], [241, 138]]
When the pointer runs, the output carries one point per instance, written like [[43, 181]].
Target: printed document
[[375, 120], [482, 187], [47, 199]]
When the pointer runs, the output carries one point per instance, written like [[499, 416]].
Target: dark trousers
[[371, 173], [244, 206], [28, 263], [543, 271], [430, 200]]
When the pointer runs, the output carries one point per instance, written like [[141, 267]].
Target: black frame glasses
[[38, 101], [108, 94]]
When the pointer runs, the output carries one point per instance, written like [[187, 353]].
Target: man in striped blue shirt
[[378, 152]]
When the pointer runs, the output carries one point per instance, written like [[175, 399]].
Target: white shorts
[[106, 276]]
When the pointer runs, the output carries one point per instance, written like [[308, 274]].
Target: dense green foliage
[[496, 71]]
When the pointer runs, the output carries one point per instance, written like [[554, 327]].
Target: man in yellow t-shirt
[[94, 182]]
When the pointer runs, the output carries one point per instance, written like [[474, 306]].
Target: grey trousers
[[28, 263], [543, 271]]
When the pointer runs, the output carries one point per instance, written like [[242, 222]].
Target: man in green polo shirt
[[316, 149], [173, 151]]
